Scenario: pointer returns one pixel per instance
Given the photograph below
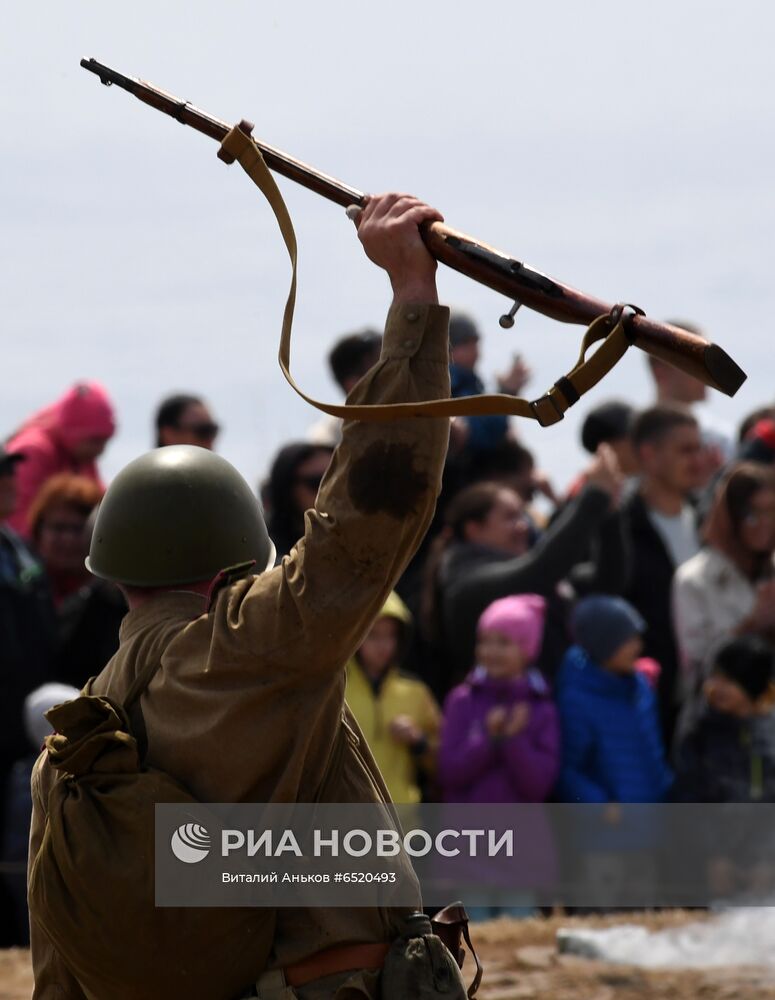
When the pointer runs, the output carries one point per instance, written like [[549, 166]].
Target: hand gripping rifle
[[619, 326]]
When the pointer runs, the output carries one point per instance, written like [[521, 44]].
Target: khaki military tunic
[[249, 696]]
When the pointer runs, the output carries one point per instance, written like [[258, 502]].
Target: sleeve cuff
[[417, 329]]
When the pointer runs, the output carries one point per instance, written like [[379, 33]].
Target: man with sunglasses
[[185, 419]]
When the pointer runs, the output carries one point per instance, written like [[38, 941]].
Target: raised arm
[[537, 572], [377, 499], [561, 546]]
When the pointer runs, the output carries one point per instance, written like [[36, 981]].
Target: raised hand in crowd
[[516, 378]]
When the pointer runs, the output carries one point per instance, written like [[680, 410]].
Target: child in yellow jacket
[[396, 711]]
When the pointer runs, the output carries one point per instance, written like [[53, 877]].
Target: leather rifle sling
[[547, 409]]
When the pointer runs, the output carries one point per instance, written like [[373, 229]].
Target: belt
[[340, 958]]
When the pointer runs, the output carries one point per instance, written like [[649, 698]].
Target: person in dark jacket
[[485, 556], [27, 630], [17, 803], [725, 754], [27, 624], [727, 751], [612, 749], [661, 526]]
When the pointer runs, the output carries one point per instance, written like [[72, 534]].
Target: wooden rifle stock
[[687, 351]]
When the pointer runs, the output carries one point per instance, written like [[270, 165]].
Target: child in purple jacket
[[500, 743], [500, 738]]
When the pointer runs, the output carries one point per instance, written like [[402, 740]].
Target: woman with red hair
[[56, 525], [89, 611]]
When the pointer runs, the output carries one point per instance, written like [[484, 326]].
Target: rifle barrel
[[187, 114], [705, 361]]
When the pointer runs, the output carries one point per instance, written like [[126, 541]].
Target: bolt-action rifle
[[493, 268]]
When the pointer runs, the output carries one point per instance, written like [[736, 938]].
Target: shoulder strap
[[132, 708], [140, 683], [136, 688], [547, 409]]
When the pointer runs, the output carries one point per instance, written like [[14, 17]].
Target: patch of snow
[[736, 937]]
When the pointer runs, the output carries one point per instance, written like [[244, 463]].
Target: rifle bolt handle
[[507, 319]]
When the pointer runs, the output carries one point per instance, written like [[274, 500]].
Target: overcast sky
[[624, 149]]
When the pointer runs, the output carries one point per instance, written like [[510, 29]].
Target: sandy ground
[[15, 975], [521, 963]]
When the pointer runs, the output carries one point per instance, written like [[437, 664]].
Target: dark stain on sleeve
[[384, 480]]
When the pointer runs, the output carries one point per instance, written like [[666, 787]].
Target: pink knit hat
[[520, 618]]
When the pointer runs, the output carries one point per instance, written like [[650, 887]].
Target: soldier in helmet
[[248, 697]]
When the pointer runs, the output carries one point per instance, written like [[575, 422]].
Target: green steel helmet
[[179, 514]]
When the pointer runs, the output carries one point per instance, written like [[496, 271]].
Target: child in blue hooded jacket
[[612, 747]]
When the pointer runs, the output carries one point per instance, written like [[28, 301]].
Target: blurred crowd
[[605, 640]]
